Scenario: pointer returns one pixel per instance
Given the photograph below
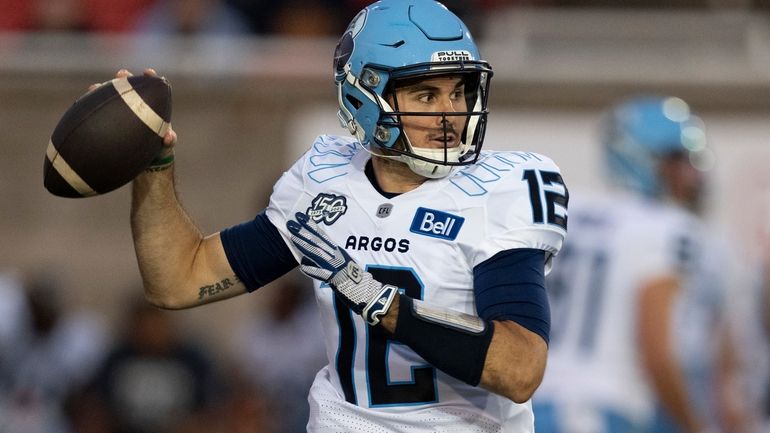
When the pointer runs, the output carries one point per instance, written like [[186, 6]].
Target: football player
[[428, 254], [637, 293]]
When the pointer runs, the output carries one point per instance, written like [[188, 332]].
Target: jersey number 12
[[546, 213], [382, 391]]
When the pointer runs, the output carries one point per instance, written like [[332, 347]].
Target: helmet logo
[[345, 46], [357, 24], [342, 54], [451, 56]]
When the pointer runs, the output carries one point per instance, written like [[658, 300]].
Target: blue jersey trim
[[256, 252], [511, 286]]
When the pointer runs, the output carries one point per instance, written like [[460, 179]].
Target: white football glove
[[325, 261]]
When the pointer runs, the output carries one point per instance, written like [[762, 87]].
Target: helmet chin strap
[[418, 166], [431, 169]]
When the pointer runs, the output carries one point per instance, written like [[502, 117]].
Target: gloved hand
[[325, 261]]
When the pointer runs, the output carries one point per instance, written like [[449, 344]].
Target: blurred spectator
[[638, 4], [249, 410], [70, 15], [14, 316], [291, 17], [50, 354], [186, 17], [112, 16], [54, 15], [87, 413], [153, 378], [309, 18], [295, 17], [206, 27], [246, 409], [281, 350], [330, 17]]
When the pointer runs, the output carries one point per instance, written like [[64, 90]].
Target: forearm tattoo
[[211, 290]]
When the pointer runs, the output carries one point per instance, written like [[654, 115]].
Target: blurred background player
[[638, 337], [763, 396], [752, 309]]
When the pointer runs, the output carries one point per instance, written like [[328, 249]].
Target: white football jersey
[[427, 242], [701, 316], [617, 242]]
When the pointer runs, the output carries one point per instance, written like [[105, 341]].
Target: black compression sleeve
[[256, 252], [511, 286], [455, 344]]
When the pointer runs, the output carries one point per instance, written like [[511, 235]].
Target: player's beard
[[422, 162], [393, 165]]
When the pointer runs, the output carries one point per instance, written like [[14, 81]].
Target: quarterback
[[428, 255]]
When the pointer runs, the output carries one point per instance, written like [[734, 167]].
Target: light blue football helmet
[[640, 131], [392, 40]]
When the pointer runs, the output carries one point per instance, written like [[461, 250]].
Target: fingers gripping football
[[326, 261]]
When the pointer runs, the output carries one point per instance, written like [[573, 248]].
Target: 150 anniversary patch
[[327, 208]]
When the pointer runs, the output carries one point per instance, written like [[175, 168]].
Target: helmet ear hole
[[354, 101]]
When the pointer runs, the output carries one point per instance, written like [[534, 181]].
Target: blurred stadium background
[[251, 93]]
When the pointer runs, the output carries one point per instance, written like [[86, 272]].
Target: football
[[108, 136]]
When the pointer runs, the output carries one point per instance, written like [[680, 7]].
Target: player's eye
[[459, 93], [426, 98]]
